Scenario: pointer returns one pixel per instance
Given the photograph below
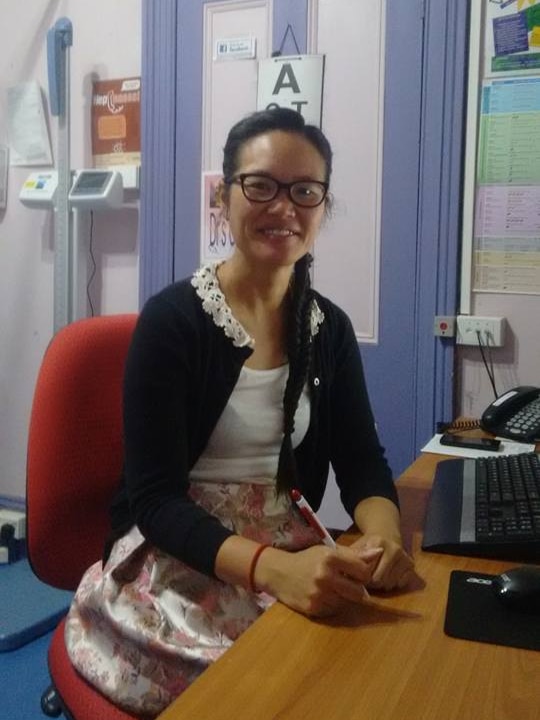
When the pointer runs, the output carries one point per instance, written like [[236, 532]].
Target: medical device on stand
[[72, 194], [59, 40]]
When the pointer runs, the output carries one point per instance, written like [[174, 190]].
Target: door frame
[[444, 105]]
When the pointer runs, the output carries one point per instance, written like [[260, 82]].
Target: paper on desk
[[507, 447]]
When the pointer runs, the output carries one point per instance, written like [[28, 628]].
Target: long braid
[[299, 350], [299, 339]]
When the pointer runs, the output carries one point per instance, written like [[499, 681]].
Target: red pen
[[312, 519], [309, 514]]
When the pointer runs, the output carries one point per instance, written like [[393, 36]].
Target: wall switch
[[473, 329], [444, 326]]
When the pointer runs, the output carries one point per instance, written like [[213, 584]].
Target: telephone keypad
[[525, 420]]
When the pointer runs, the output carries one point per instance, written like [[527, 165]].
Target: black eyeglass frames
[[263, 188]]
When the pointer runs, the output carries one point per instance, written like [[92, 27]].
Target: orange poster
[[116, 122]]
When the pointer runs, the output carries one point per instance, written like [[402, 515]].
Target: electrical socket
[[491, 330], [15, 518]]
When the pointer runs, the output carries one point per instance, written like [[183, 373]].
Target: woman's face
[[277, 232]]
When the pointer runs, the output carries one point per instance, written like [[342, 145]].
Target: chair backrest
[[75, 446]]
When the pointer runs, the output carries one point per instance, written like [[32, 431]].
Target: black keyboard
[[508, 497], [488, 507]]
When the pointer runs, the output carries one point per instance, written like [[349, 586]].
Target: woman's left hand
[[394, 568]]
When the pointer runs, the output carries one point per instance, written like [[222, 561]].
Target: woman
[[242, 383]]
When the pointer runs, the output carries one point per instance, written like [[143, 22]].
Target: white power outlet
[[491, 330], [15, 518]]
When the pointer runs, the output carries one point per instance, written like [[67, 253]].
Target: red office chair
[[74, 464]]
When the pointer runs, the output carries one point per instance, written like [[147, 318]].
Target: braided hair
[[299, 351], [299, 339]]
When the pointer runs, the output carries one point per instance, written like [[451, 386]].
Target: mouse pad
[[474, 613]]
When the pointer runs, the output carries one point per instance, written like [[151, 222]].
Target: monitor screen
[[90, 183]]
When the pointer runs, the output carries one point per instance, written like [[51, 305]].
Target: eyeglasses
[[263, 188]]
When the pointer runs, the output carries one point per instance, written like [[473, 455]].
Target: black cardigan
[[180, 372]]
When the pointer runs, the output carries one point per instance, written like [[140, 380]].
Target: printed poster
[[217, 242], [512, 39], [116, 122], [506, 250]]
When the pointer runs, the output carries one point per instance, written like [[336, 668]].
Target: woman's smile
[[277, 231]]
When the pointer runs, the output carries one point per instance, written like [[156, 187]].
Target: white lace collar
[[206, 285]]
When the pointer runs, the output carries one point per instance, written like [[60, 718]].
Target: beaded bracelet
[[254, 560]]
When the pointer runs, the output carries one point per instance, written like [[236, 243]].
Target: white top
[[246, 441]]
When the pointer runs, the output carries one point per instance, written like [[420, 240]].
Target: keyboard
[[486, 507]]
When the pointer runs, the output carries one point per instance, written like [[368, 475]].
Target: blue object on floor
[[28, 607]]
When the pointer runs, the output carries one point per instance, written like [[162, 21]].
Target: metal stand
[[59, 40]]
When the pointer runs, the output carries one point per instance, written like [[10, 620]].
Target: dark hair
[[264, 121], [299, 352], [299, 338]]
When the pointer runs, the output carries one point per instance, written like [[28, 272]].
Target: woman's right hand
[[318, 581]]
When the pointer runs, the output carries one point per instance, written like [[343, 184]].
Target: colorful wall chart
[[507, 206]]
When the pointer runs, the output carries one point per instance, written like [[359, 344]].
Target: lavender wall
[[420, 230]]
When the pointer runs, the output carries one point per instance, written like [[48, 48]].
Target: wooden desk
[[390, 661]]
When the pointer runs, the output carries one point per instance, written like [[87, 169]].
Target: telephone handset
[[515, 415]]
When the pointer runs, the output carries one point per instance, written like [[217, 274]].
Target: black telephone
[[515, 415]]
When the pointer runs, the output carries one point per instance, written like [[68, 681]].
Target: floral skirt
[[143, 627]]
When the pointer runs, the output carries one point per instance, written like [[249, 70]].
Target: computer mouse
[[519, 588]]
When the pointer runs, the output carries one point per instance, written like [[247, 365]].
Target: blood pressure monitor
[[95, 189]]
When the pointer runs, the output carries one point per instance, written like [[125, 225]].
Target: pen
[[312, 519]]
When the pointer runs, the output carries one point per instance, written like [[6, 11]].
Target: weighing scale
[[69, 193]]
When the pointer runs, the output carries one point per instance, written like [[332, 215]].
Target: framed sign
[[292, 81]]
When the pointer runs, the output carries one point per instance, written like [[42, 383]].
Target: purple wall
[[420, 225]]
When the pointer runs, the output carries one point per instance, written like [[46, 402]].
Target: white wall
[[516, 363], [106, 44]]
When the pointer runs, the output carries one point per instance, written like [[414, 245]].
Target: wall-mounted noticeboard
[[501, 228]]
